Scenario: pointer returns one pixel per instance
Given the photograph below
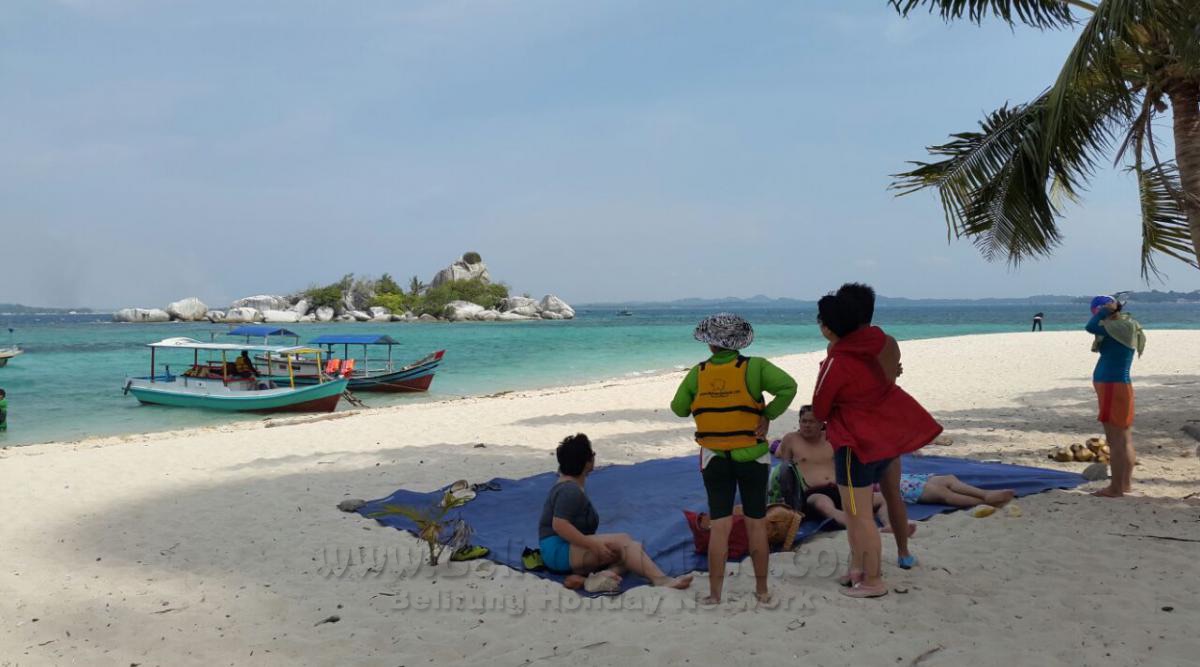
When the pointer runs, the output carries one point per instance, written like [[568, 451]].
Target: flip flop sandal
[[853, 577], [860, 590], [486, 486], [469, 552], [601, 583], [532, 560], [461, 491]]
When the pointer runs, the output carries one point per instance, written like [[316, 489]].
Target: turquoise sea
[[68, 384]]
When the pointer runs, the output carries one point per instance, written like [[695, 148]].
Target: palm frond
[[1109, 53], [1043, 14], [993, 187], [1164, 220]]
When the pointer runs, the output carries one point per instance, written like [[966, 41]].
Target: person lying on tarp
[[567, 531]]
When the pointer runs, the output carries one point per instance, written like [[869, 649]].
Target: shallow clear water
[[68, 384]]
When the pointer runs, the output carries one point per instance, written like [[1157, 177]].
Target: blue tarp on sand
[[646, 500]]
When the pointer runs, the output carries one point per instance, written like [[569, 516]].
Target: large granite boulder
[[461, 270], [216, 316], [488, 315], [325, 314], [551, 315], [521, 305], [513, 316], [141, 315], [243, 315], [427, 318], [261, 302], [308, 318], [380, 314], [280, 316], [190, 309], [360, 316], [462, 311], [553, 304], [346, 317], [301, 307]]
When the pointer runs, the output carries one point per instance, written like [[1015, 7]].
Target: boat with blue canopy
[[366, 372], [216, 383], [264, 331]]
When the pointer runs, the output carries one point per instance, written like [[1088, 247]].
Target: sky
[[601, 151]]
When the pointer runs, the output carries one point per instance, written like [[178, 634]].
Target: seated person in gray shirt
[[567, 530]]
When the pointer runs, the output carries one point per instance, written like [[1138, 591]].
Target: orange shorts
[[1116, 403]]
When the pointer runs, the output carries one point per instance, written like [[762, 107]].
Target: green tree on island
[[415, 286], [1003, 187]]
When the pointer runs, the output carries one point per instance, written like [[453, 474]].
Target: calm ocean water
[[68, 384]]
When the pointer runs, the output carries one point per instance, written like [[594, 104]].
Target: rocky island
[[461, 292]]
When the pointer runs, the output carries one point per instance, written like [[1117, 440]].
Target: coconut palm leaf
[[1164, 220], [1042, 14]]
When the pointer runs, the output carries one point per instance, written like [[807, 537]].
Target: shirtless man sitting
[[812, 455]]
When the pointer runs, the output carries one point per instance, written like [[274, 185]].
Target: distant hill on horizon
[[763, 301], [19, 309]]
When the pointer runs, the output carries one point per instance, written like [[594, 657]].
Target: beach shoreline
[[212, 545]]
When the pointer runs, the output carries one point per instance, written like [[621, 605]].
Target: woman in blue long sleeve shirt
[[1114, 392]]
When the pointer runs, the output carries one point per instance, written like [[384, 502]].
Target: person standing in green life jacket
[[724, 394], [3, 411]]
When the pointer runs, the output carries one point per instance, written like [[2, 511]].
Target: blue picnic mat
[[646, 500]]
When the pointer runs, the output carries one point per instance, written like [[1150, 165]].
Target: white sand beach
[[211, 546]]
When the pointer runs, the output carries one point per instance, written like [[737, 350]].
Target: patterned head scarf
[[725, 330]]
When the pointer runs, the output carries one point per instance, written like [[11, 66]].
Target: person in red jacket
[[863, 298], [869, 421]]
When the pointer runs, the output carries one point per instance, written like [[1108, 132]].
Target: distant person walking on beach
[[1037, 321], [1118, 336], [870, 422], [725, 396], [3, 411]]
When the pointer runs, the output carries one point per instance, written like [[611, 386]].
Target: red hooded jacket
[[861, 408]]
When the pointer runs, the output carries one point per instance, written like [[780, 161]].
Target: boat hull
[[8, 353], [316, 398]]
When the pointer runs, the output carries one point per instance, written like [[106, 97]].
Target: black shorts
[[851, 472], [723, 477]]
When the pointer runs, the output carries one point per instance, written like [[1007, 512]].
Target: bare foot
[[1108, 492], [999, 498], [709, 600], [912, 529], [573, 582], [764, 597], [679, 583]]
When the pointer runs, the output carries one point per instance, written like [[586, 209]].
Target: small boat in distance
[[10, 351], [365, 374], [625, 313], [216, 384], [7, 353]]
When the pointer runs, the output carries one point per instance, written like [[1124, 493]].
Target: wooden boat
[[364, 373], [214, 385], [7, 353]]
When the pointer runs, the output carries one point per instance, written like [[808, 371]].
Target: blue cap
[[1100, 301]]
